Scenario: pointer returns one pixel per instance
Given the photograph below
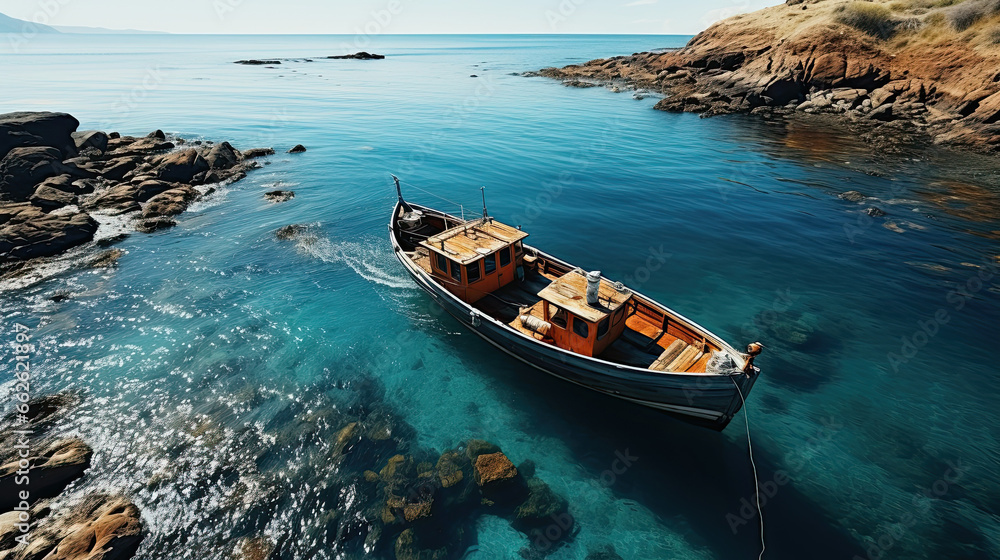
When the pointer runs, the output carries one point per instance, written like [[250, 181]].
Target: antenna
[[485, 213]]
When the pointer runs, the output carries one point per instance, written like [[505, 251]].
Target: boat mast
[[486, 215], [399, 193]]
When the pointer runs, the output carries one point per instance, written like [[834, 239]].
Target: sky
[[386, 16]]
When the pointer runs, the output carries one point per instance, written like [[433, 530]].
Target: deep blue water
[[891, 453]]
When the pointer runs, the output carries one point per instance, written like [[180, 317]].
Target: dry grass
[[868, 17], [965, 14]]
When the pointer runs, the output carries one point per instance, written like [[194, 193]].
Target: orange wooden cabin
[[476, 258]]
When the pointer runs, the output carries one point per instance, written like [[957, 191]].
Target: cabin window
[[442, 262], [603, 327], [456, 272], [472, 273], [558, 317], [581, 328], [490, 264], [504, 257]]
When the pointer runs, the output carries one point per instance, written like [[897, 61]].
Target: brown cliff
[[924, 65]]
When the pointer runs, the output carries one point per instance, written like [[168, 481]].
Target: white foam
[[368, 259]]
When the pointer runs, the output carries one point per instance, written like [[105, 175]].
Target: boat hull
[[709, 400]]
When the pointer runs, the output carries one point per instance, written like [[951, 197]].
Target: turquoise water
[[198, 355]]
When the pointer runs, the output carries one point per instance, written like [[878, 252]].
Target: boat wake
[[370, 259]]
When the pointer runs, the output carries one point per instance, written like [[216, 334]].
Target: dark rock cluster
[[53, 178]]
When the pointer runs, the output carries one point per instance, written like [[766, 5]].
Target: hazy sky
[[411, 16]]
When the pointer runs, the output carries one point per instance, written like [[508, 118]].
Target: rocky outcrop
[[50, 467], [49, 172], [25, 167], [910, 70], [27, 232], [101, 527], [297, 149], [38, 129]]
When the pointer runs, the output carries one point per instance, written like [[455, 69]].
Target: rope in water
[[756, 485]]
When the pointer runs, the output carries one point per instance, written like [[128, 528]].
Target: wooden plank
[[669, 355], [688, 356]]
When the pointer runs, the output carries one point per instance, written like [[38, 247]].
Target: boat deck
[[644, 342]]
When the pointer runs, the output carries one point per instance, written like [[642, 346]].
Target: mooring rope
[[756, 484]]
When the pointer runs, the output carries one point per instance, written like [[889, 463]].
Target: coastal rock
[[279, 196], [297, 149], [255, 62], [358, 56], [222, 156], [116, 169], [50, 198], [180, 166], [157, 134], [149, 225], [26, 232], [115, 199], [23, 168], [170, 202], [912, 68], [254, 153], [130, 146], [875, 212], [107, 259], [289, 232], [99, 528], [38, 129], [152, 187], [90, 139], [51, 467]]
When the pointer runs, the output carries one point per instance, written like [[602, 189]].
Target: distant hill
[[13, 25]]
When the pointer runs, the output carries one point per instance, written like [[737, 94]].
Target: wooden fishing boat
[[577, 326]]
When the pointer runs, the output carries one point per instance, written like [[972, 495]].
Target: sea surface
[[875, 425]]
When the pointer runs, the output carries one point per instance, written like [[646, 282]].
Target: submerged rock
[[289, 232], [875, 212], [107, 259], [494, 468], [255, 62], [297, 149], [279, 196], [852, 196], [253, 153]]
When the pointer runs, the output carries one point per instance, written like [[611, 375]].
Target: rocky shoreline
[[913, 71], [55, 179]]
